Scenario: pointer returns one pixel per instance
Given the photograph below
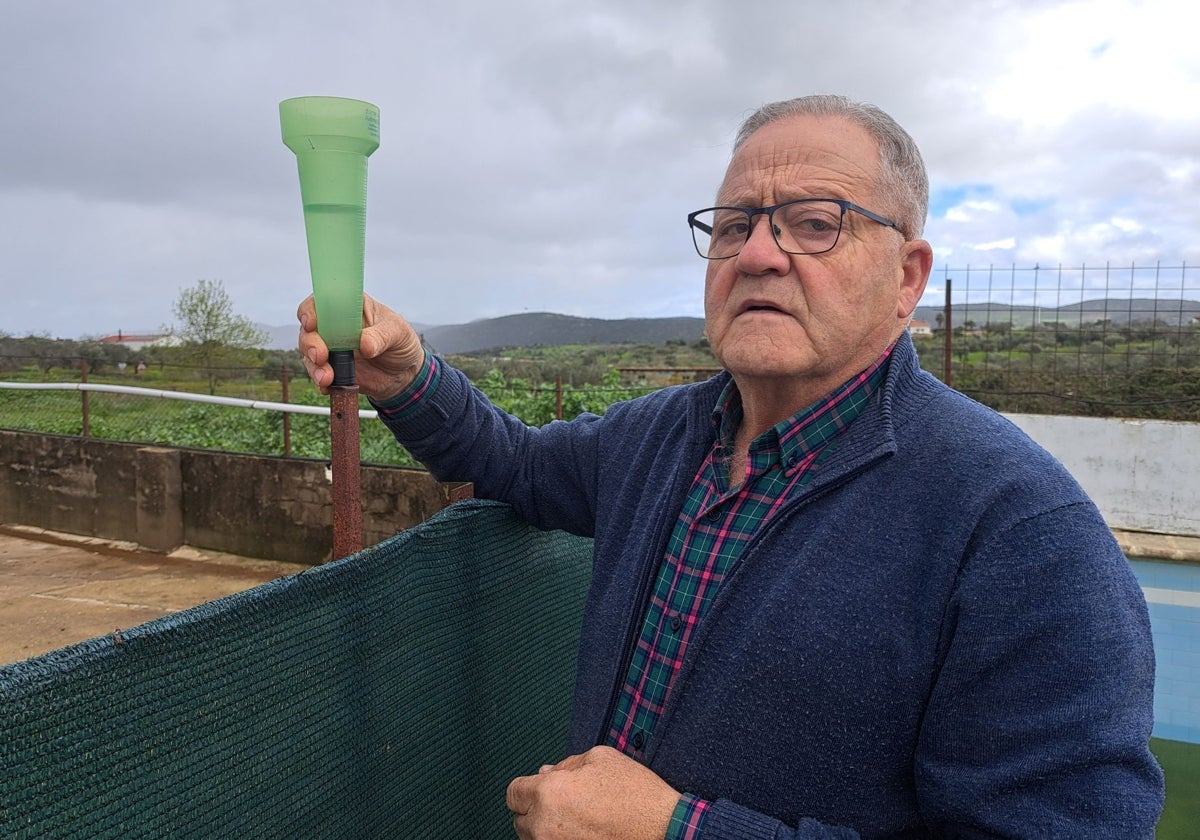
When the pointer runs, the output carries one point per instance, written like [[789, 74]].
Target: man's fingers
[[572, 761], [519, 797], [370, 343], [306, 313], [522, 790], [321, 375]]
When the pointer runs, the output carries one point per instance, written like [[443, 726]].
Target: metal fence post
[[287, 415], [947, 341], [87, 417]]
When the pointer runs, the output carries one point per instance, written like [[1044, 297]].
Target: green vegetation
[[167, 422], [582, 364], [1147, 370], [538, 403]]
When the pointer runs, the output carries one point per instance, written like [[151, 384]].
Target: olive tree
[[211, 335]]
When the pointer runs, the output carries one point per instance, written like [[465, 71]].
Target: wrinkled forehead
[[802, 157]]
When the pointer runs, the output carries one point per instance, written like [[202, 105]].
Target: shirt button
[[713, 515], [639, 740], [676, 623]]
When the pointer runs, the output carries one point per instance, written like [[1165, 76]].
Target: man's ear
[[916, 262]]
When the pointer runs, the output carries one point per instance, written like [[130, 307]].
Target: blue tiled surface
[[1173, 595]]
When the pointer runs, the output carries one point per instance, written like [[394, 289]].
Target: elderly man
[[831, 598]]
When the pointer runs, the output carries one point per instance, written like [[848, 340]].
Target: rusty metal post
[[947, 361], [347, 472]]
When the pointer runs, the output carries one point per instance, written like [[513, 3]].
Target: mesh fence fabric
[[393, 694]]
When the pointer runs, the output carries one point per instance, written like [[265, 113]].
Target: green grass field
[[165, 422]]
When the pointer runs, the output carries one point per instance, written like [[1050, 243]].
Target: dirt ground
[[57, 589]]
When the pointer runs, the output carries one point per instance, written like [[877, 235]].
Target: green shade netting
[[392, 694]]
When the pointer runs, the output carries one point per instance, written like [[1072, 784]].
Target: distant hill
[[1117, 310], [536, 329], [546, 329], [280, 338]]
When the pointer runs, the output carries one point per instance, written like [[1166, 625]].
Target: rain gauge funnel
[[332, 138]]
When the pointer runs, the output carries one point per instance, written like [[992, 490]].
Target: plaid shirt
[[716, 524]]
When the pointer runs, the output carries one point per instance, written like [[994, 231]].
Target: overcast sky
[[542, 155]]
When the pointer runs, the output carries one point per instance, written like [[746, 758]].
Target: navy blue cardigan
[[939, 638]]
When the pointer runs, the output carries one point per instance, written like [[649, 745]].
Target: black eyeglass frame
[[769, 212]]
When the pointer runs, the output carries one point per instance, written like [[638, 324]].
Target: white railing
[[290, 408]]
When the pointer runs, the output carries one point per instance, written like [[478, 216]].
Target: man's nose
[[762, 252]]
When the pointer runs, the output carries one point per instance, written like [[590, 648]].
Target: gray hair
[[903, 179]]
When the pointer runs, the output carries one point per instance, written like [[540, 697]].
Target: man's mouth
[[760, 307]]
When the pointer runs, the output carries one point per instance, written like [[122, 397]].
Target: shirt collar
[[794, 440]]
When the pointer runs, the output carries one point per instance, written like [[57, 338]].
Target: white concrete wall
[[1144, 475]]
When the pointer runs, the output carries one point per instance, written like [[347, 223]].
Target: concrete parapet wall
[[1144, 475], [255, 506]]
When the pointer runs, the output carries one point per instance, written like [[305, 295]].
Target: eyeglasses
[[803, 226]]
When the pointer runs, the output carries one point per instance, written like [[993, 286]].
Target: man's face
[[803, 324]]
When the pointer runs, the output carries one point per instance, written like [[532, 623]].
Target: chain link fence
[[1090, 340]]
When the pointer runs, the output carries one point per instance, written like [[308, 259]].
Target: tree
[[212, 334]]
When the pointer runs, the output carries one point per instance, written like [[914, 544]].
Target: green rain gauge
[[332, 138]]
